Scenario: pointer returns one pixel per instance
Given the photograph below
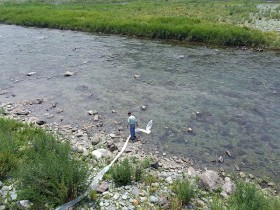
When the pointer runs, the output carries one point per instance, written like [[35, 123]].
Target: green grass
[[43, 166], [122, 173], [248, 196], [187, 20], [184, 190]]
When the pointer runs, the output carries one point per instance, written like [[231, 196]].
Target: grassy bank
[[210, 22], [40, 163]]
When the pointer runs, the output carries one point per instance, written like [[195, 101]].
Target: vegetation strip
[[176, 20]]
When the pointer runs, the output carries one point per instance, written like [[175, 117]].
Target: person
[[132, 123]]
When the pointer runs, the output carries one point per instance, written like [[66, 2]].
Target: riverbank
[[212, 188], [228, 24]]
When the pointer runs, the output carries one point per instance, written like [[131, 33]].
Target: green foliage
[[149, 179], [184, 190], [43, 166], [121, 173], [93, 195], [248, 196], [217, 204], [178, 20], [138, 172], [2, 111]]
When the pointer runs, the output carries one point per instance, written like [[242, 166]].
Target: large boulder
[[228, 187], [210, 180], [101, 153]]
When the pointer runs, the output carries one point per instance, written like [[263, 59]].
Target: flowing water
[[236, 92]]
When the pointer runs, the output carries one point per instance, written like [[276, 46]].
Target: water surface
[[236, 92]]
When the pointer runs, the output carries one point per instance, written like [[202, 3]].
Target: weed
[[247, 196], [121, 173], [184, 190]]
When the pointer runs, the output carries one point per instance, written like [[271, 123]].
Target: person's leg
[[132, 132]]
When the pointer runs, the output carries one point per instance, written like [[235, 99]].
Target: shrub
[[184, 191], [247, 196], [42, 164], [121, 173]]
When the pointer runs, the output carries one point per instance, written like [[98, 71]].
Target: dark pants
[[132, 131]]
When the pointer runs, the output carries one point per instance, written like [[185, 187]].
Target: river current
[[230, 98]]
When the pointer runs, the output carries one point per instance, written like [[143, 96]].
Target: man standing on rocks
[[132, 123]]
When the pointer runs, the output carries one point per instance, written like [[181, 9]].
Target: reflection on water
[[237, 93]]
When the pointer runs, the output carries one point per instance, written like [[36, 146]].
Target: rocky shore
[[98, 147]]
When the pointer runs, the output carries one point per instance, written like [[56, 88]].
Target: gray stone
[[26, 204], [31, 73], [68, 73], [104, 186], [210, 180], [228, 186], [153, 199], [191, 172]]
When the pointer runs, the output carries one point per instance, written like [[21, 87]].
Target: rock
[[94, 140], [113, 147], [164, 154], [112, 135], [68, 73], [200, 203], [237, 167], [134, 202], [31, 73], [163, 202], [101, 153], [228, 153], [114, 111], [169, 180], [221, 159], [155, 165], [153, 199], [120, 128], [22, 113], [228, 187], [224, 194], [210, 180], [136, 76], [143, 107], [124, 197], [104, 186], [2, 207], [38, 101], [90, 112], [189, 130], [100, 124], [270, 184], [191, 172], [1, 184], [242, 174], [25, 204], [96, 117], [116, 196], [41, 122], [251, 176]]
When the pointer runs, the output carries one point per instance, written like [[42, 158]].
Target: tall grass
[[248, 196], [43, 166], [178, 20], [184, 190]]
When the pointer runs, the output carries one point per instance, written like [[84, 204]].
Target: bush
[[43, 166], [184, 191], [247, 196], [121, 173]]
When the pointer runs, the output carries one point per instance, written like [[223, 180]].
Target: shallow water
[[236, 92]]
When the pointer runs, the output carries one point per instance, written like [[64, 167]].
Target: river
[[229, 97]]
